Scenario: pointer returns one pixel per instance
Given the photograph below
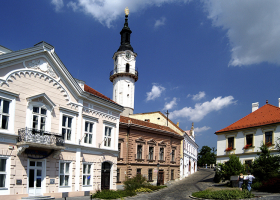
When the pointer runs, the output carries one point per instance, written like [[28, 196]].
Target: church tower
[[125, 73]]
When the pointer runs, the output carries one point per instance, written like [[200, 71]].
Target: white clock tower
[[124, 74]]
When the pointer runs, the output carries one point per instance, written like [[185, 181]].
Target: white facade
[[124, 76], [188, 163]]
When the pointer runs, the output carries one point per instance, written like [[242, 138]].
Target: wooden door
[[105, 176], [161, 177]]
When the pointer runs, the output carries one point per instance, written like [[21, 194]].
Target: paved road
[[181, 189]]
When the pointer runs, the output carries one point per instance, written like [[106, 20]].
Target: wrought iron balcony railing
[[40, 137], [124, 70]]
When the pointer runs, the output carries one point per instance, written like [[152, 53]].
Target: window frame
[[69, 113], [234, 141], [269, 129], [138, 171], [150, 175], [93, 133], [70, 174], [246, 133], [172, 174], [159, 156], [139, 153], [6, 189], [151, 157], [87, 174], [11, 97], [118, 175]]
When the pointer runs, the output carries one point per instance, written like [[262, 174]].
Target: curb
[[214, 199]]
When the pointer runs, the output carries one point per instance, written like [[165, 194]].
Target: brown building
[[144, 145]]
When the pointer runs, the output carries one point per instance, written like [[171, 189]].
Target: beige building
[[58, 136], [148, 149]]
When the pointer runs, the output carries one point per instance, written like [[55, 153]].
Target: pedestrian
[[250, 180], [240, 179]]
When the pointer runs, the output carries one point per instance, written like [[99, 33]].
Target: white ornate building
[[190, 151], [58, 136]]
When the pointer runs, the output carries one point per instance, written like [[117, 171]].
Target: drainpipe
[[127, 146]]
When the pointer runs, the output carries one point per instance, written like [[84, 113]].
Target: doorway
[[105, 176], [35, 177], [161, 177]]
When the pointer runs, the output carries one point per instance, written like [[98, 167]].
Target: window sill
[[64, 186], [151, 160], [173, 162], [87, 185], [3, 188], [161, 161], [120, 159], [139, 160]]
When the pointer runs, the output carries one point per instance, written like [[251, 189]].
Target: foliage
[[223, 194], [112, 194], [256, 185], [206, 156], [232, 167], [135, 182], [265, 166], [278, 144], [218, 173], [143, 190], [271, 185]]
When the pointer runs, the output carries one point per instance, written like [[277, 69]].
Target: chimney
[[279, 102], [255, 106], [178, 124]]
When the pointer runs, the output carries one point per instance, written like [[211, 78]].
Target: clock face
[[128, 55]]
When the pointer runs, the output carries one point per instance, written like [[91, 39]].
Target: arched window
[[127, 67]]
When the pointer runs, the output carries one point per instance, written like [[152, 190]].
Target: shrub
[[256, 185], [135, 182], [223, 194], [143, 190], [272, 185], [112, 194], [232, 167]]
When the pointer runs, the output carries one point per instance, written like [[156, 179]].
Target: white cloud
[[198, 96], [160, 22], [253, 29], [73, 5], [58, 4], [170, 105], [106, 11], [201, 110], [201, 129], [155, 92]]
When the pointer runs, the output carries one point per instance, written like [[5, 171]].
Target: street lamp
[[157, 173]]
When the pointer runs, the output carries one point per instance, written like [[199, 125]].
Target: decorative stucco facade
[[58, 136]]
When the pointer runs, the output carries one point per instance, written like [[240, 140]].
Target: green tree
[[266, 166], [206, 156], [232, 167]]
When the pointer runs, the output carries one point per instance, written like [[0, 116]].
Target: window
[[127, 68], [118, 175], [119, 150], [249, 139], [173, 155], [150, 175], [66, 127], [268, 137], [107, 136], [39, 116], [139, 151], [138, 171], [161, 153], [3, 172], [4, 112], [88, 132], [151, 153], [231, 142], [172, 174], [86, 174], [64, 174]]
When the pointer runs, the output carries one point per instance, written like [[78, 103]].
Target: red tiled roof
[[93, 91], [124, 119], [267, 114]]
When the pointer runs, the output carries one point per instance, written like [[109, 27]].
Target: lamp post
[[157, 173]]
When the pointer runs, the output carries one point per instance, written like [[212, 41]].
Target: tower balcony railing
[[40, 138], [127, 71]]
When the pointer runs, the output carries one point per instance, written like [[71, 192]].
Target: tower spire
[[125, 34]]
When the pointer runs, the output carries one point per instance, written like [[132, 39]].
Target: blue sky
[[204, 61]]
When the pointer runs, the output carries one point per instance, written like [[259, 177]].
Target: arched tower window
[[127, 67]]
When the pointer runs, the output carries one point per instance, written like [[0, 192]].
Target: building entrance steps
[[37, 198]]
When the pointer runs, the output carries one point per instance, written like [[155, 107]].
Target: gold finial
[[126, 11]]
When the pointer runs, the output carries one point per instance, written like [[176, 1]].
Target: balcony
[[124, 71], [28, 137]]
